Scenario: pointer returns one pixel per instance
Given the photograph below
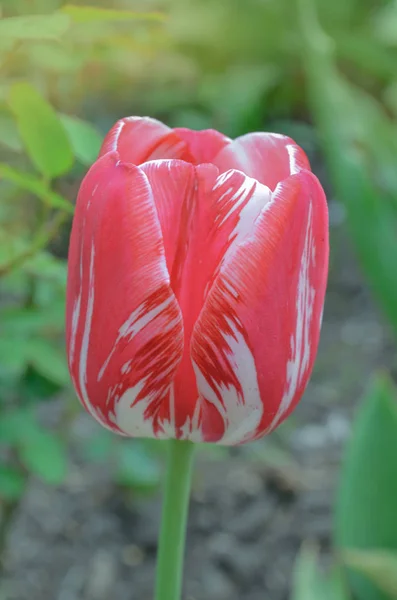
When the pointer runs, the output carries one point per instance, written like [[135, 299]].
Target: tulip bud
[[196, 281]]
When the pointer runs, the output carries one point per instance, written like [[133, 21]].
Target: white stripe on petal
[[95, 412], [120, 127], [191, 429], [87, 330], [130, 415], [300, 341], [76, 315], [238, 198], [134, 324], [249, 213], [259, 197], [293, 153], [241, 411]]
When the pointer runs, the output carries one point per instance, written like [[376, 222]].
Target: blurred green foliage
[[44, 151], [365, 516], [311, 583], [323, 72]]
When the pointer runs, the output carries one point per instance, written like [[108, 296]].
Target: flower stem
[[174, 518]]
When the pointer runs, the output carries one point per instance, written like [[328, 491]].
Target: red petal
[[225, 209], [183, 215], [124, 326], [203, 145], [267, 157], [172, 183], [199, 215], [255, 342], [139, 139]]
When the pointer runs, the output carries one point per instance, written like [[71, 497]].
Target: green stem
[[174, 519]]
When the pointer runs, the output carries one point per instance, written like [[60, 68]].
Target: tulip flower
[[196, 282], [197, 273]]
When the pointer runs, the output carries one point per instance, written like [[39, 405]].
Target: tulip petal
[[203, 145], [254, 344], [139, 139], [172, 183], [124, 325], [200, 221], [226, 209], [267, 157]]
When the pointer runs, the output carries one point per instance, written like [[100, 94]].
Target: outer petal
[[267, 157], [203, 145], [200, 223], [172, 183], [226, 209], [124, 327], [139, 139], [255, 341]]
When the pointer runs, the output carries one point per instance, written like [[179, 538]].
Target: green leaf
[[23, 322], [6, 45], [44, 454], [86, 141], [378, 566], [135, 466], [334, 585], [9, 136], [390, 97], [49, 360], [366, 516], [43, 135], [34, 387], [35, 186], [50, 292], [13, 424], [12, 483], [87, 14], [46, 266], [12, 358], [34, 27], [386, 24], [310, 583], [305, 583], [366, 54], [57, 58]]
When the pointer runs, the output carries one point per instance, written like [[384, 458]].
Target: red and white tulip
[[196, 282]]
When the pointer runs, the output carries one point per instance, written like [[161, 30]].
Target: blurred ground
[[86, 541]]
